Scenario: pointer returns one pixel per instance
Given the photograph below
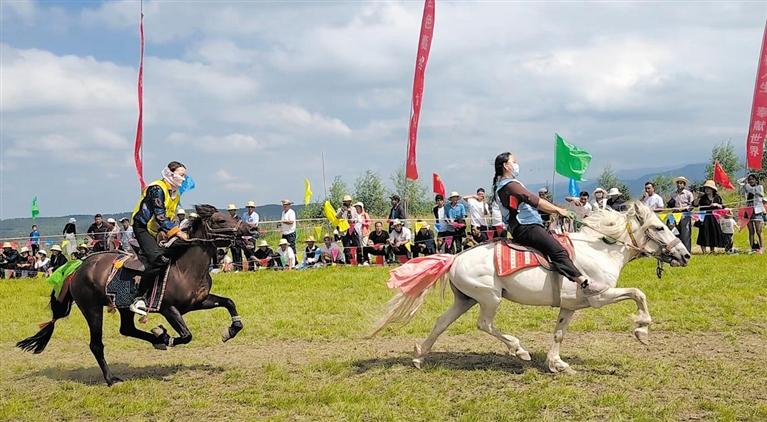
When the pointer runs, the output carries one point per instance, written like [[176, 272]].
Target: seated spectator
[[615, 201], [287, 258], [25, 266], [329, 252], [455, 214], [57, 259], [10, 257], [311, 254], [265, 257], [224, 263], [474, 238], [399, 238], [377, 241], [43, 262], [424, 242], [81, 252]]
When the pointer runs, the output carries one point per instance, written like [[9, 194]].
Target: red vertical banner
[[424, 46], [140, 126], [757, 129]]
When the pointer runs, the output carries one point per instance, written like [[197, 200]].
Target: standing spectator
[[755, 198], [180, 215], [496, 219], [329, 252], [600, 200], [70, 235], [42, 262], [478, 209], [25, 266], [614, 200], [113, 235], [650, 198], [98, 233], [288, 223], [543, 193], [57, 259], [580, 205], [728, 224], [681, 201], [397, 211], [440, 221], [424, 242], [311, 254], [126, 234], [250, 216], [474, 238], [34, 239], [455, 214], [349, 238], [237, 245], [710, 233], [264, 255], [399, 238], [362, 224], [286, 254], [377, 241]]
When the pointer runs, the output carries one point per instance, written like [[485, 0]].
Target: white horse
[[603, 247]]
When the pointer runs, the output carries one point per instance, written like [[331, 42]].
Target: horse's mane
[[205, 210], [608, 222]]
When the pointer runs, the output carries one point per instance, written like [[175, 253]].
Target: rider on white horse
[[520, 207]]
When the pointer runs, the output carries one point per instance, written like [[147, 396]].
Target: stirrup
[[136, 309]]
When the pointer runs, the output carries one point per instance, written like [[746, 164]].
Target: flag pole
[[324, 181]]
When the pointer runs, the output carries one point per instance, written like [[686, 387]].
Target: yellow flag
[[330, 213], [307, 192], [677, 217], [318, 233], [663, 217], [418, 225]]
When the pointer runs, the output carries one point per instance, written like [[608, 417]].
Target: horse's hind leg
[[95, 318], [642, 319], [489, 302], [128, 329], [461, 304], [177, 322], [214, 301], [555, 363]]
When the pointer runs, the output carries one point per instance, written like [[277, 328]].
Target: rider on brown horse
[[155, 213]]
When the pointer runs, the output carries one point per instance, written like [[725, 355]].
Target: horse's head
[[655, 238], [218, 226]]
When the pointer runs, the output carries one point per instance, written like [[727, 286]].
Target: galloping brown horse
[[187, 289]]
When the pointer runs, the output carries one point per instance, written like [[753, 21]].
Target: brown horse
[[187, 289]]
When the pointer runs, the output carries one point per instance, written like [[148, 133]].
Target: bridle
[[213, 235]]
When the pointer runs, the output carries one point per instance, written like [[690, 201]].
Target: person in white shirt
[[650, 198], [754, 192], [42, 262], [287, 255], [113, 236], [600, 199], [398, 238], [288, 223], [250, 216], [580, 205], [478, 209]]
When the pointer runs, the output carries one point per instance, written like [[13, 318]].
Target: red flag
[[139, 127], [757, 129], [424, 46], [439, 187], [720, 176]]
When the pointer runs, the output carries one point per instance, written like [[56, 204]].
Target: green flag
[[35, 208], [571, 161]]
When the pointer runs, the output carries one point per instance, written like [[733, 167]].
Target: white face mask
[[515, 170]]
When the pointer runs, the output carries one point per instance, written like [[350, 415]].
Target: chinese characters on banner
[[424, 46], [757, 130]]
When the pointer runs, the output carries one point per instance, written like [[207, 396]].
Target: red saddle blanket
[[510, 257]]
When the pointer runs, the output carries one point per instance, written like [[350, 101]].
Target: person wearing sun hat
[[397, 211], [311, 256], [681, 201], [264, 255], [287, 258], [42, 262], [57, 258], [70, 235], [9, 257], [614, 200], [600, 199], [288, 223], [710, 233], [250, 216]]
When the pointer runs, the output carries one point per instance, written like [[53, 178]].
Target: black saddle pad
[[122, 289]]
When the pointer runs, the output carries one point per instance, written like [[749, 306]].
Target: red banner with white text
[[757, 129], [424, 46], [140, 126]]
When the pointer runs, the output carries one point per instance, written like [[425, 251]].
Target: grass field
[[302, 355]]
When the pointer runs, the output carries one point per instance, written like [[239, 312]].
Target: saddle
[[510, 257]]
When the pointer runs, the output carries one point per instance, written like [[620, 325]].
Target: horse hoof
[[225, 335], [642, 335], [113, 380], [417, 362], [523, 355], [160, 346]]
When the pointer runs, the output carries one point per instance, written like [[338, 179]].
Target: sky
[[250, 94]]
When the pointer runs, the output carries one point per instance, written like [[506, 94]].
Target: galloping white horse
[[607, 243]]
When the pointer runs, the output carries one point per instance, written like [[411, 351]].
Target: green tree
[[312, 210], [664, 185], [725, 154], [337, 191], [413, 193], [369, 189], [608, 180]]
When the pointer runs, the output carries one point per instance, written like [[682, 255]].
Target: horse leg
[[461, 304], [555, 363], [642, 319], [177, 322], [128, 329], [214, 301], [488, 307], [95, 318]]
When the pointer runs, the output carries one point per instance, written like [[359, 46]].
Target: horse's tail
[[36, 343], [414, 279]]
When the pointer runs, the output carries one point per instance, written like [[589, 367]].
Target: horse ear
[[639, 212], [205, 210]]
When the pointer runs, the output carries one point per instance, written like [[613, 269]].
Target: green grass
[[302, 355]]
